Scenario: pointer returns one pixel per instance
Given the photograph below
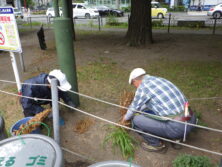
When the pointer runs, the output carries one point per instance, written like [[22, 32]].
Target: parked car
[[103, 10], [51, 13], [158, 11], [215, 11], [18, 13], [81, 10], [106, 11]]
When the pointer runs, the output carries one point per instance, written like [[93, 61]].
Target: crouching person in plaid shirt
[[161, 99]]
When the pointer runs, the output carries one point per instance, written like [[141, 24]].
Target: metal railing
[[170, 21]]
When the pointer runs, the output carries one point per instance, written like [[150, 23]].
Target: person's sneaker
[[161, 149], [176, 146]]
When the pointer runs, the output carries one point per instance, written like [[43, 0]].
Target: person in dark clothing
[[31, 107]]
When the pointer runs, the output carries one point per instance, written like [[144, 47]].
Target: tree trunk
[[140, 23]]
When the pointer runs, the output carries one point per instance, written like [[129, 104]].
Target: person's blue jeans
[[166, 129]]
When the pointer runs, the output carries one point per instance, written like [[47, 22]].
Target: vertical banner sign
[[9, 38]]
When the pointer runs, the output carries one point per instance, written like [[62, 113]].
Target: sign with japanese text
[[28, 152], [9, 37], [30, 161]]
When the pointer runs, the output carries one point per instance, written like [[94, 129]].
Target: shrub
[[176, 9], [33, 24], [157, 23], [112, 21], [191, 23], [42, 12], [126, 9], [187, 160]]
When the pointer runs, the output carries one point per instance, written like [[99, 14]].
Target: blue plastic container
[[23, 121]]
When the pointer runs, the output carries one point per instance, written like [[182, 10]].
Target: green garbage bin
[[114, 164]]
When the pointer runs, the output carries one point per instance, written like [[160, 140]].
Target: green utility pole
[[67, 11], [63, 28]]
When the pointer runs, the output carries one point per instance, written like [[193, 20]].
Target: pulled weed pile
[[32, 124], [125, 100], [83, 125]]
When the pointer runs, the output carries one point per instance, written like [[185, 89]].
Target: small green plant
[[187, 160], [199, 118], [91, 23], [120, 138]]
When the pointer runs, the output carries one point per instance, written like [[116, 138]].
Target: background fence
[[171, 21]]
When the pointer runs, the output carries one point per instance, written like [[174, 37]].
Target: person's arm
[[141, 97], [30, 104], [128, 115], [66, 98]]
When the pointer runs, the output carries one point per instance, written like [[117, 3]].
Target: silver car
[[215, 11]]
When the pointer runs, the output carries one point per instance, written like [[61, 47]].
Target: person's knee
[[137, 121], [134, 120]]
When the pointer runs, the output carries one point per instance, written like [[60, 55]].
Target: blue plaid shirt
[[158, 95]]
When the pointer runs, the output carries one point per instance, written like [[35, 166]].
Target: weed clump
[[120, 138], [192, 161]]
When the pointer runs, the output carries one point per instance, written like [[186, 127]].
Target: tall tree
[[140, 23], [27, 3]]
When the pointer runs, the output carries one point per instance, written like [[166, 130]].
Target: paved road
[[200, 16]]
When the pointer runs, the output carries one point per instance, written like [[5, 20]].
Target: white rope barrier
[[13, 82], [190, 99], [77, 154], [116, 105], [33, 98], [144, 113], [205, 98], [108, 121], [114, 123]]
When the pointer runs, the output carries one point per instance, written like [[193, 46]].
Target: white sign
[[9, 37]]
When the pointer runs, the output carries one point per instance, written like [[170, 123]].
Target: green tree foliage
[[29, 3]]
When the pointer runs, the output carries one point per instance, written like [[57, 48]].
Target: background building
[[110, 3], [6, 2]]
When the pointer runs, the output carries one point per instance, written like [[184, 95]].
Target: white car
[[81, 10], [18, 13], [215, 11], [51, 13]]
